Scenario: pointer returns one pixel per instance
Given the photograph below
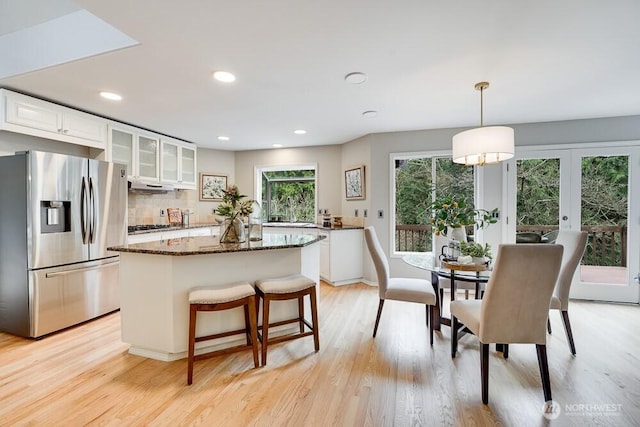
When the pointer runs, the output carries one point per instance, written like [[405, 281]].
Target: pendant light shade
[[483, 145]]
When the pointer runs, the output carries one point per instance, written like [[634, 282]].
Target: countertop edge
[[215, 248]]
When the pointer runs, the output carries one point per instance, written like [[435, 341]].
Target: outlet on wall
[[161, 212], [364, 213], [380, 213], [356, 213]]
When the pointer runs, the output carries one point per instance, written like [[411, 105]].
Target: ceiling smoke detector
[[355, 78]]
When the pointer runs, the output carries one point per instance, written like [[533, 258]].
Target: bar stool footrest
[[222, 335]]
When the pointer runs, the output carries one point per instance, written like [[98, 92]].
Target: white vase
[[458, 233]]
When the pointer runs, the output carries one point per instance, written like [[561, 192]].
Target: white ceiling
[[546, 60]]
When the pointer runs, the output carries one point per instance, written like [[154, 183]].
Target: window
[[288, 194], [417, 180]]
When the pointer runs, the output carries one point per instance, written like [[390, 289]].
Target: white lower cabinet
[[341, 256]]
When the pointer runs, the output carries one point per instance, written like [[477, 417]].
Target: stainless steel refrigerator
[[58, 215]]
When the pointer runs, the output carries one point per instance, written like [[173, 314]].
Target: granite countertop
[[266, 224], [175, 227], [203, 245], [310, 225]]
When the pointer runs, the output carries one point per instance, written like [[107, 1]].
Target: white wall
[[356, 153], [217, 162], [328, 159]]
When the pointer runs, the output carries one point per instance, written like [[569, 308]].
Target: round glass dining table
[[478, 274]]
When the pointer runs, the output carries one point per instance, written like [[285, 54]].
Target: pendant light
[[483, 145]]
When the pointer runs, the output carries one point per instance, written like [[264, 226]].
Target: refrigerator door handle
[[77, 270], [84, 211], [92, 205]]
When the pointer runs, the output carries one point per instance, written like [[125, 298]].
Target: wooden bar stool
[[236, 295], [285, 288]]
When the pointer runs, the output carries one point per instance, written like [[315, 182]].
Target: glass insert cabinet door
[[593, 190], [188, 165], [169, 162], [122, 149], [148, 154]]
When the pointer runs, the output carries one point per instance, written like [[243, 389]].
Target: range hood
[[145, 187]]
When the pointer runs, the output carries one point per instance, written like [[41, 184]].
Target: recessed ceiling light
[[299, 131], [111, 96], [224, 76], [277, 145], [223, 138], [356, 78], [369, 114]]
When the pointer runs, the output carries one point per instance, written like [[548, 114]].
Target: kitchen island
[[156, 277]]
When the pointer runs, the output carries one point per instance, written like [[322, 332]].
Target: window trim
[[257, 175], [392, 189]]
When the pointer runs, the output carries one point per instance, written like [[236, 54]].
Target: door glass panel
[[604, 213], [188, 165], [122, 149], [169, 162], [147, 157], [538, 200]]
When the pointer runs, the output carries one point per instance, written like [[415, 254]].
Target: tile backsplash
[[145, 208]]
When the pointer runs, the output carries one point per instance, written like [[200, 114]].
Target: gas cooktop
[[133, 228]]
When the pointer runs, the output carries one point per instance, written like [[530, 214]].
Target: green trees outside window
[[289, 195]]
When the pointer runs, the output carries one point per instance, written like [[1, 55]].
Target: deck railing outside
[[606, 245]]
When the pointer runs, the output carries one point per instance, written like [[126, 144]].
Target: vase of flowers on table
[[233, 208], [453, 212]]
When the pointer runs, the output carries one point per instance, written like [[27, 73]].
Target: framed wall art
[[212, 186], [354, 183]]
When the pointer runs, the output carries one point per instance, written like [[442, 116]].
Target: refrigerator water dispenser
[[55, 216]]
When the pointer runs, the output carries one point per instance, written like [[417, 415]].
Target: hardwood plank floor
[[84, 376]]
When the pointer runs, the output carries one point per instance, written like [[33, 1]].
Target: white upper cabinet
[[148, 153], [32, 116], [178, 165], [140, 151], [123, 149], [151, 158], [169, 170], [188, 159]]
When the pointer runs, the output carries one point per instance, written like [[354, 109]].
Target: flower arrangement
[[232, 204], [453, 212], [234, 208]]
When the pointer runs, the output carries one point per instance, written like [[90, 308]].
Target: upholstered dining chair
[[574, 243], [515, 306], [400, 289]]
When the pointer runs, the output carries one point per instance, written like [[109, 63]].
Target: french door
[[595, 190]]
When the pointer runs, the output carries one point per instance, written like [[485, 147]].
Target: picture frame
[[212, 186], [354, 184]]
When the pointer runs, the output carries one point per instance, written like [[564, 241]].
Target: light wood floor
[[85, 375]]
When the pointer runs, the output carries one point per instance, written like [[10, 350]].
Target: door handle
[[80, 270], [92, 221], [83, 211]]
